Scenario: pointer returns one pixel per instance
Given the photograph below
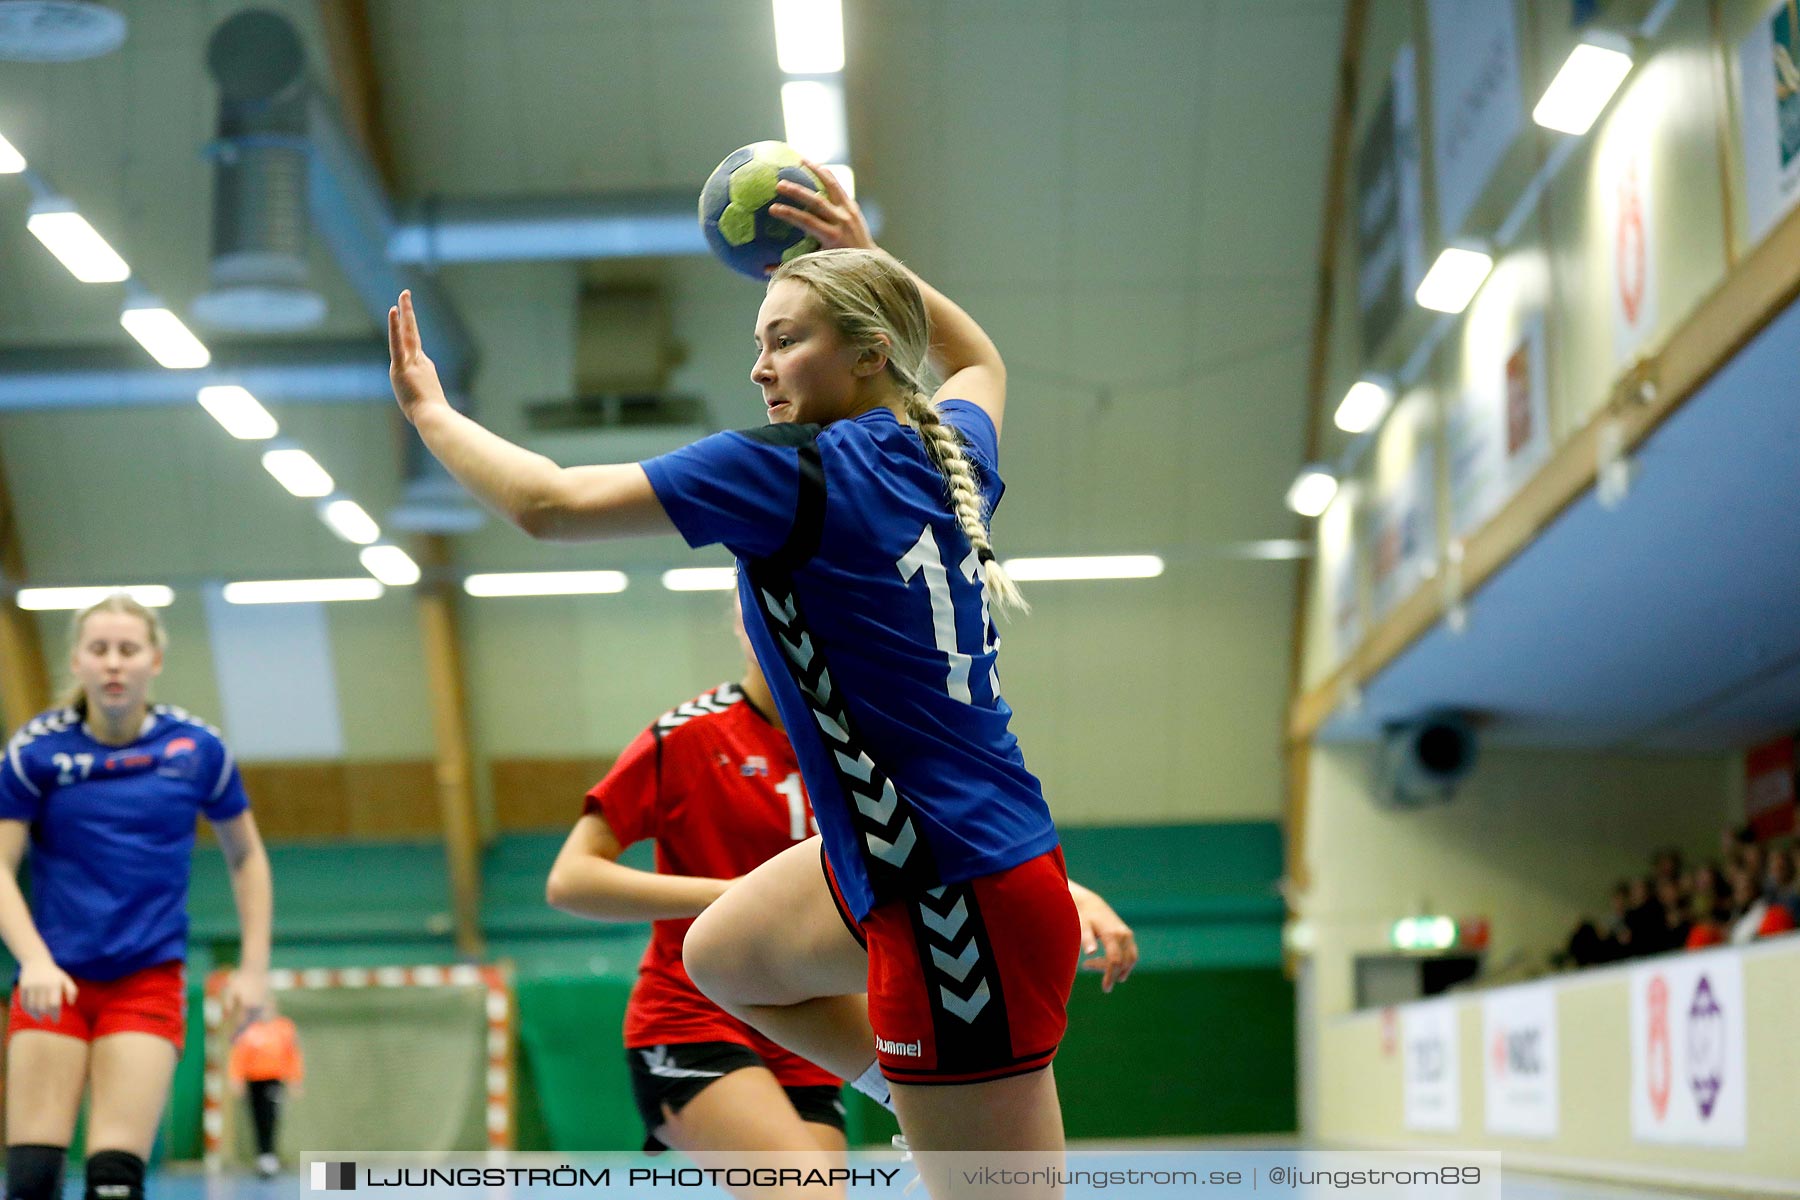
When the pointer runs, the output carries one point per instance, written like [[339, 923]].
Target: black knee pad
[[34, 1172], [115, 1175]]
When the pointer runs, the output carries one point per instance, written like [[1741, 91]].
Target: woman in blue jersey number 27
[[858, 515], [106, 791]]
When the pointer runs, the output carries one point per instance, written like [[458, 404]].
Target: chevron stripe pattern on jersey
[[715, 701], [895, 855], [958, 966]]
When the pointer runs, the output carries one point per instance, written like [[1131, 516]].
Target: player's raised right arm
[[547, 501], [962, 353]]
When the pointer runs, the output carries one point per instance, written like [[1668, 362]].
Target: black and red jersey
[[717, 786]]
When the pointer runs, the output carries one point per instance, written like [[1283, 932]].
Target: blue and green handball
[[734, 208]]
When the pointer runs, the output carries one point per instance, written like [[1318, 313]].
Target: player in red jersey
[[716, 783]]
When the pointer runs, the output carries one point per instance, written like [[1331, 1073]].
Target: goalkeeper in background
[[265, 1064]]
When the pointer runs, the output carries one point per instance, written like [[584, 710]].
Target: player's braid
[[944, 446], [877, 306]]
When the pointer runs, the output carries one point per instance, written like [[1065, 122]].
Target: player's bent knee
[[34, 1172], [115, 1175], [715, 961]]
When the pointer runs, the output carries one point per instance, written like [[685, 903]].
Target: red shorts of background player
[[970, 981], [153, 1000]]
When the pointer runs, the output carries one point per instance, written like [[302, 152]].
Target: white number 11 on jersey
[[924, 557]]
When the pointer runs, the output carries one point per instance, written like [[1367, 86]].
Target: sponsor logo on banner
[[1390, 239], [1477, 102], [1657, 1070], [1405, 529], [1631, 249], [1432, 1090], [1519, 1068], [1687, 1051], [1769, 788], [1499, 429], [1706, 1048], [1626, 184], [1769, 108]]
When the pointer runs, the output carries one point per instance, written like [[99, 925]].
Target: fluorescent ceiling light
[[845, 176], [1589, 76], [348, 520], [239, 412], [546, 583], [150, 595], [700, 579], [390, 564], [301, 591], [813, 112], [1270, 549], [1311, 492], [1362, 407], [66, 234], [169, 342], [11, 161], [1104, 566], [298, 472], [1453, 279], [809, 36]]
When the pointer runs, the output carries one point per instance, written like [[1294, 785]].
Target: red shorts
[[970, 981], [153, 1000]]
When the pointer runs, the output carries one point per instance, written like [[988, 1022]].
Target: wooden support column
[[24, 681], [349, 44], [1343, 126], [436, 600]]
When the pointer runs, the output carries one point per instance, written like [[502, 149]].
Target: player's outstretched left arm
[[1107, 943], [253, 888], [545, 500]]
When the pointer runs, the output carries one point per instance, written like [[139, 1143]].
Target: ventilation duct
[[616, 411], [58, 30], [555, 228], [623, 341], [1421, 761], [260, 157], [284, 372]]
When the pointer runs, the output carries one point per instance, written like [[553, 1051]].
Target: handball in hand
[[734, 208]]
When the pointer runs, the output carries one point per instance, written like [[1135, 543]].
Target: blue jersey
[[866, 607], [112, 833]]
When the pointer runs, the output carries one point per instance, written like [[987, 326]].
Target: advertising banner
[[1687, 1050], [1518, 1037], [1432, 1092]]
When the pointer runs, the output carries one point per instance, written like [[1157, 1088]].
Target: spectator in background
[[1644, 923], [1671, 906], [1667, 865], [1616, 937], [1755, 861], [1747, 906], [1792, 898], [1705, 929], [1708, 882], [1731, 846], [1780, 894], [1777, 872], [1586, 947], [265, 1063]]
